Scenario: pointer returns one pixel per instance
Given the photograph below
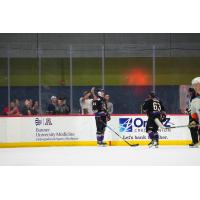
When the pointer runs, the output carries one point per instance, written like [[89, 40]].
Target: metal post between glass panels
[[8, 75], [39, 79], [154, 67], [103, 67], [71, 79]]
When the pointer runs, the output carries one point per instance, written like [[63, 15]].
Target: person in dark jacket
[[51, 109], [62, 106]]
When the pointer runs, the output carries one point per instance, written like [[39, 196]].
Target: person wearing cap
[[195, 106], [62, 107], [51, 109]]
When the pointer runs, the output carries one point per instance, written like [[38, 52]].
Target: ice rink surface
[[142, 155]]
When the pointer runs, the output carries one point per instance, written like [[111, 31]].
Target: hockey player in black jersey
[[156, 115], [99, 106]]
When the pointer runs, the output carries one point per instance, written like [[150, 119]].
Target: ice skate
[[156, 144], [192, 145], [102, 144], [151, 144]]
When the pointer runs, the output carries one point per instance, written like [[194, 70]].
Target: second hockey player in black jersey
[[156, 115], [101, 115]]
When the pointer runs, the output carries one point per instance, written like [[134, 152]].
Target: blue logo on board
[[125, 124]]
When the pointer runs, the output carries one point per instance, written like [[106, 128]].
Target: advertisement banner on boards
[[134, 127], [83, 128]]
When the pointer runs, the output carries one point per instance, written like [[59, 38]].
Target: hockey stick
[[132, 145], [183, 126]]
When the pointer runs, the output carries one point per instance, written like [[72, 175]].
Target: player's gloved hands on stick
[[108, 118], [163, 117], [193, 122]]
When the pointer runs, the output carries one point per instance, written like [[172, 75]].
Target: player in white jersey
[[195, 104]]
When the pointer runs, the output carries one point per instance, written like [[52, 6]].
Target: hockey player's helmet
[[152, 94], [100, 92]]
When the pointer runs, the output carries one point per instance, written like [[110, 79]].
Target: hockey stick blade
[[134, 145], [131, 145]]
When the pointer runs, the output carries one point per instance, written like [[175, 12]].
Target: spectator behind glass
[[86, 103], [35, 108], [51, 109], [62, 107], [27, 109], [5, 110], [18, 104], [109, 104], [13, 111], [31, 102]]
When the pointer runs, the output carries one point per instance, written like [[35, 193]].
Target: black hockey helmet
[[100, 92], [152, 94]]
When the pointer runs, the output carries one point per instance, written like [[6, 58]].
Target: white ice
[[142, 155]]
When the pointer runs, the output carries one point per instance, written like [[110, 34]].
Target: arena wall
[[76, 130]]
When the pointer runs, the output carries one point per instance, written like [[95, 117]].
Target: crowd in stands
[[15, 108], [56, 106]]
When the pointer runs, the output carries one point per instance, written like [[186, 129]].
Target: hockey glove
[[163, 117], [193, 122], [108, 118]]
